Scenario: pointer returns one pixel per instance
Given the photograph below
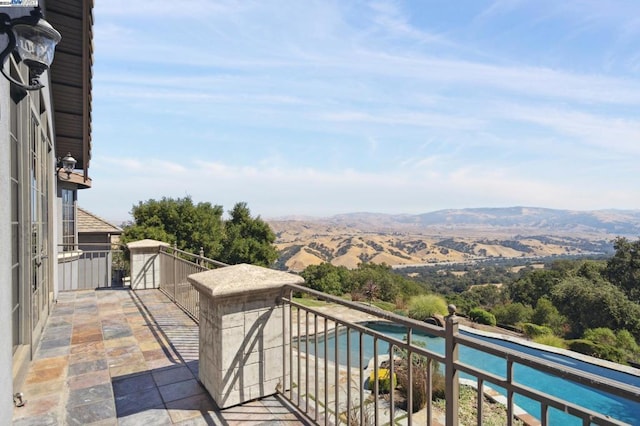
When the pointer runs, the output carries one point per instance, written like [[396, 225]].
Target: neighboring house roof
[[88, 223]]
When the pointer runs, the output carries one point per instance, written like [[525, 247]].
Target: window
[[68, 219]]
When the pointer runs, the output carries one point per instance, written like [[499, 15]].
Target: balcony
[[133, 354], [117, 356]]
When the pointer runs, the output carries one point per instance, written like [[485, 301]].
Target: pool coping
[[558, 351]]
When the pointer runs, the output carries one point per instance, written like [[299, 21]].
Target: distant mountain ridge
[[615, 222]]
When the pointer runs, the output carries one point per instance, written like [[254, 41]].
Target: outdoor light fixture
[[68, 163], [34, 40]]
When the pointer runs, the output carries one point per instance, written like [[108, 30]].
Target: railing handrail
[[386, 315], [453, 340], [104, 246], [612, 386], [400, 344], [177, 265], [199, 257]]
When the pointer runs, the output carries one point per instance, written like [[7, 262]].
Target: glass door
[[17, 292], [39, 180]]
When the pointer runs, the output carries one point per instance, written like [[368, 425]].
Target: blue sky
[[326, 107]]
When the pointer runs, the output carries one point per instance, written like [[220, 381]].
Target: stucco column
[[145, 264], [243, 332]]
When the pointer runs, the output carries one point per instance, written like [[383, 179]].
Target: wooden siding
[[71, 74]]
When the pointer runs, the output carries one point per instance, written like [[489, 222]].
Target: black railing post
[[452, 385]]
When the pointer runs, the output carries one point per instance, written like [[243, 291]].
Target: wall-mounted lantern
[[34, 40], [67, 163]]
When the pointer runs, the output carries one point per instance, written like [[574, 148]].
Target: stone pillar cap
[[239, 279], [146, 244]]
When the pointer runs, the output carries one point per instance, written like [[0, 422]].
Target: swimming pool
[[616, 407]]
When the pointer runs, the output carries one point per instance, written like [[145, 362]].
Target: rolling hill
[[449, 236]]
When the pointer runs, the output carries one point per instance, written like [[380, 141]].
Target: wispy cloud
[[615, 134], [332, 106]]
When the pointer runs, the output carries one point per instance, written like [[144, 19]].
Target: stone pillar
[[145, 264], [243, 331]]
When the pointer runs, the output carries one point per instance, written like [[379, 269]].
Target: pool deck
[[118, 357]]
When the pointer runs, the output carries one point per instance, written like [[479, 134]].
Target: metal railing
[[327, 383], [175, 266], [91, 265]]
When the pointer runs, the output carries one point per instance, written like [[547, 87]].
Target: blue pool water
[[619, 408]]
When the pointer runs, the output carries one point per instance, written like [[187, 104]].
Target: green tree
[[486, 296], [247, 239], [381, 275], [327, 278], [591, 269], [408, 288], [512, 313], [190, 226], [588, 304], [534, 285], [623, 269], [563, 266], [463, 302], [547, 314]]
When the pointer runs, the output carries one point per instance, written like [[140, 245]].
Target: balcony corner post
[[244, 334], [145, 264], [452, 383]]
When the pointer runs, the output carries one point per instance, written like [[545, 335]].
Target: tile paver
[[118, 357]]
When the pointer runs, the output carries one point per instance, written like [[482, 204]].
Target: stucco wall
[[6, 362]]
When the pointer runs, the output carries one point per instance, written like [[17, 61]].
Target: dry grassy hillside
[[303, 243]]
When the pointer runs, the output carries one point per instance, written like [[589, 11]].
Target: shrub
[[383, 380], [356, 296], [617, 347], [625, 340], [535, 330], [582, 346], [612, 353], [600, 335], [385, 306], [482, 317], [551, 340], [425, 306], [513, 313], [602, 351], [419, 378], [401, 302]]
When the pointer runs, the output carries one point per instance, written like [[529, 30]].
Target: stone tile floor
[[118, 357]]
